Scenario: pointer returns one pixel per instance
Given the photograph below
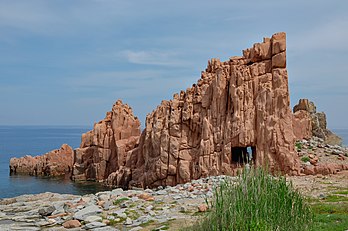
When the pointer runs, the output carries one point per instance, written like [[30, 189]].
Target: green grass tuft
[[344, 192], [335, 198], [258, 201], [305, 159], [298, 146], [120, 200]]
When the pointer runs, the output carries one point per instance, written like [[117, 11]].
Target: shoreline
[[169, 208]]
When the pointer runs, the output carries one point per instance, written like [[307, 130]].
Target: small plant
[[305, 159], [120, 200], [298, 146]]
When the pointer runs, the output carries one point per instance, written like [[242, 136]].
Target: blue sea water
[[343, 133], [18, 141]]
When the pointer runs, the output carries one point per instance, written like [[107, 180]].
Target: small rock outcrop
[[308, 122], [54, 163], [105, 152]]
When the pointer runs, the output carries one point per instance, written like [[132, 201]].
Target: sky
[[65, 62]]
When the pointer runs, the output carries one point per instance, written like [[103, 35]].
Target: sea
[[343, 133], [18, 141]]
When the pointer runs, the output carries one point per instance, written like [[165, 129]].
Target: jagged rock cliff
[[312, 123], [207, 129], [54, 163], [105, 151]]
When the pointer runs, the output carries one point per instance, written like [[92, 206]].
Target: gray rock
[[128, 221], [88, 211], [110, 217], [163, 227], [136, 228], [162, 192], [94, 225], [117, 192], [150, 191], [24, 228], [107, 205], [134, 199], [174, 190], [117, 212], [149, 208], [105, 228], [47, 211], [93, 218], [122, 215]]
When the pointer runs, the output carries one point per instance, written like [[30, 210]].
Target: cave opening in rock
[[243, 155]]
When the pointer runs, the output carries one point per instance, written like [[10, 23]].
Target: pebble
[[128, 221]]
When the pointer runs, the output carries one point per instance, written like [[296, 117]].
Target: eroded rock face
[[239, 103], [54, 163], [302, 125], [105, 151], [306, 111]]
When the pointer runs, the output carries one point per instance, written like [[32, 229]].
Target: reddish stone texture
[[105, 151], [54, 163], [324, 169], [239, 103], [307, 122], [236, 106], [302, 125]]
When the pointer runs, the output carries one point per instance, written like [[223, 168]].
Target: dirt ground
[[319, 186]]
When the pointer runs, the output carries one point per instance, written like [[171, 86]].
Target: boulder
[[71, 224]]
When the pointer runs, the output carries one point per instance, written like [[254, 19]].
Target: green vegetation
[[330, 216], [305, 159], [326, 208], [331, 222], [335, 198], [258, 201], [298, 146], [344, 192], [120, 200]]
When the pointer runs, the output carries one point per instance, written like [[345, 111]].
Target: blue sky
[[66, 62]]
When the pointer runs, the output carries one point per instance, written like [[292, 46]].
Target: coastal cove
[[18, 141]]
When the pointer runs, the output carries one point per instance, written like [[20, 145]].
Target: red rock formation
[[105, 149], [239, 103], [307, 122], [302, 125], [237, 106], [54, 163]]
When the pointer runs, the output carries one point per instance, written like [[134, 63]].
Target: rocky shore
[[162, 208], [158, 209]]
